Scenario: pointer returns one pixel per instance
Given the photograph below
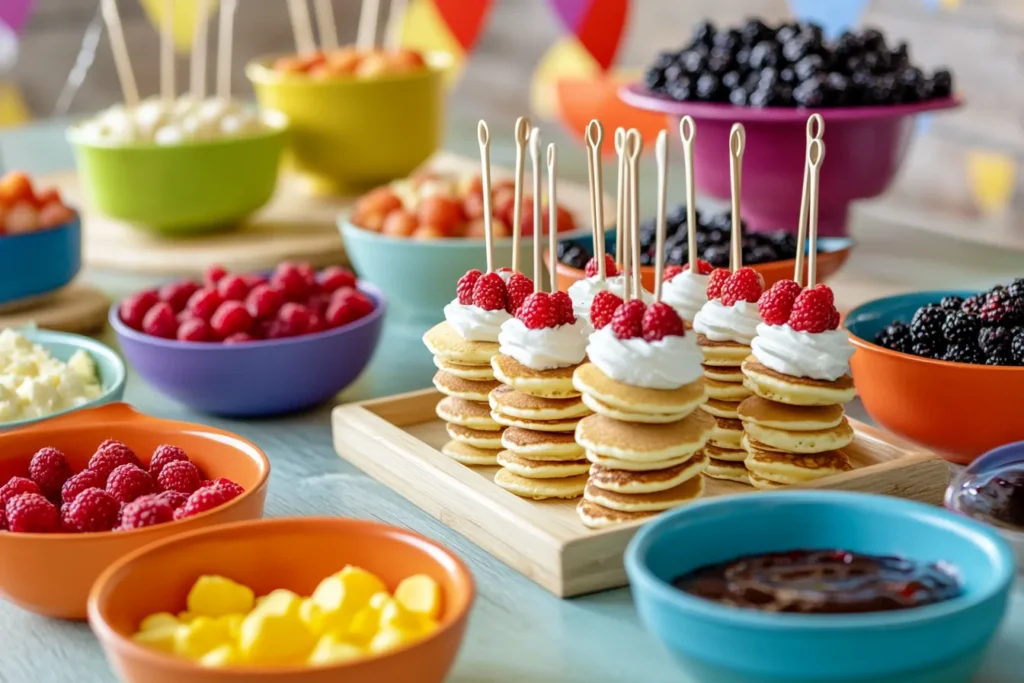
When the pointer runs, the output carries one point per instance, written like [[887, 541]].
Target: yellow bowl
[[351, 134]]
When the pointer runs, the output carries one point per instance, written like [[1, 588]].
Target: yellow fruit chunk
[[332, 648], [274, 599], [312, 616], [364, 624], [186, 617], [394, 616], [275, 633], [162, 638], [199, 637], [388, 639], [341, 595], [219, 657], [420, 594], [159, 620], [215, 596], [233, 624]]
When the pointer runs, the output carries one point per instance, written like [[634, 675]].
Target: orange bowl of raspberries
[[83, 489]]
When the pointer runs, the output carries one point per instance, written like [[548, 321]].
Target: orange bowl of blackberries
[[770, 254], [943, 368], [81, 490]]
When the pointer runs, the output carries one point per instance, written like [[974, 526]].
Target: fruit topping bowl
[[943, 368], [250, 345], [86, 488], [301, 600]]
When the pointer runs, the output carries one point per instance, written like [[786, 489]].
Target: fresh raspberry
[[776, 303], [178, 293], [49, 469], [822, 287], [230, 318], [335, 277], [16, 486], [294, 319], [173, 498], [3, 518], [31, 513], [670, 272], [86, 479], [92, 510], [346, 306], [293, 281], [232, 288], [627, 322], [812, 312], [264, 301], [703, 267], [660, 321], [160, 321], [230, 488], [563, 307], [538, 311], [179, 476], [465, 286], [111, 454], [206, 482], [213, 275], [743, 285], [489, 292], [610, 270], [834, 319], [128, 482], [194, 330], [239, 338], [145, 511], [253, 280], [204, 500], [134, 308], [603, 307], [204, 303], [518, 287], [716, 280]]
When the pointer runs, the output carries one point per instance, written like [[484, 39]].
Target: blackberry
[[973, 304], [1017, 348], [964, 353], [1000, 359], [995, 341], [961, 328], [895, 337], [927, 350], [926, 326], [1016, 288], [1000, 308], [951, 303], [576, 256]]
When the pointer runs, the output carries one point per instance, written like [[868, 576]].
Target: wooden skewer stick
[[302, 29], [815, 155], [635, 142], [325, 25], [552, 216], [393, 29], [595, 139], [522, 138], [538, 235], [815, 131], [483, 135], [167, 54], [366, 37], [620, 197], [197, 67], [225, 41], [661, 157], [119, 47], [737, 140], [687, 132]]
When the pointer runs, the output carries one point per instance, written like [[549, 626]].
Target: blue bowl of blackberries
[[771, 254]]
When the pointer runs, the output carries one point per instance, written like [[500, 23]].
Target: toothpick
[[366, 37], [816, 155], [595, 139], [661, 157], [737, 140], [393, 29], [483, 136], [225, 45], [325, 24], [636, 145], [688, 132], [197, 75], [302, 29], [119, 47], [538, 238], [815, 131], [167, 54], [522, 134], [552, 215], [620, 197]]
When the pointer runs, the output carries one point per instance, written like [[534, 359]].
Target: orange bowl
[[51, 574], [295, 554], [958, 410]]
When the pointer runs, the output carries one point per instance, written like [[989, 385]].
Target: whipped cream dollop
[[668, 363], [687, 292], [819, 355], [474, 323], [547, 348], [582, 293], [737, 323]]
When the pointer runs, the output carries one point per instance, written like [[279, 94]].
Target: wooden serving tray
[[396, 440]]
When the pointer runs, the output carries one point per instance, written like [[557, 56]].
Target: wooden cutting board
[[78, 308]]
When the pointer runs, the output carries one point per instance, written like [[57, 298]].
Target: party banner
[[942, 4], [835, 16], [992, 178], [597, 24], [14, 13], [186, 17], [451, 26], [13, 111]]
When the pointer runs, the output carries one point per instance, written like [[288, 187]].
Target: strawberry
[[489, 292], [627, 322], [519, 287], [563, 307], [812, 312], [776, 304], [602, 308], [465, 286], [703, 267], [743, 285], [715, 282], [609, 266], [670, 272], [538, 311], [660, 321]]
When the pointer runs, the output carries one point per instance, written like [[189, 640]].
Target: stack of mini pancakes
[[645, 446], [794, 426], [465, 377], [540, 410], [723, 381]]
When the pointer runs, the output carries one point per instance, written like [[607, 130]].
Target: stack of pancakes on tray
[[723, 381]]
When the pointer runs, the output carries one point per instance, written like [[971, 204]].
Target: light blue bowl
[[34, 264], [713, 643], [62, 346]]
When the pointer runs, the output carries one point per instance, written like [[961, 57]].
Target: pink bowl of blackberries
[[770, 79], [252, 344]]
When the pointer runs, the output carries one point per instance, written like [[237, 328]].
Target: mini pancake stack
[[723, 382]]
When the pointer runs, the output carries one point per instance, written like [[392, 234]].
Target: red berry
[[812, 312], [213, 275], [109, 455], [670, 272], [178, 293], [660, 321], [239, 338], [489, 292], [232, 288], [204, 500], [195, 330], [292, 281], [538, 311], [834, 319], [347, 305], [160, 321], [627, 322], [822, 287], [294, 319], [703, 267], [230, 488], [49, 469], [563, 307], [3, 518], [230, 319], [264, 301], [179, 476], [128, 482], [16, 486], [31, 513], [336, 277], [255, 280], [743, 285], [86, 479], [716, 280], [518, 287], [173, 498], [465, 286], [92, 510], [204, 303], [134, 308], [776, 304], [603, 307], [146, 511], [610, 270]]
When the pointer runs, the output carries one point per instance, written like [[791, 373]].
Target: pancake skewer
[[302, 29], [620, 199], [123, 63], [594, 140], [552, 215], [737, 141], [167, 54], [325, 24], [483, 135], [661, 157], [635, 145], [225, 45], [815, 131], [366, 35], [687, 133], [538, 262], [522, 135], [816, 154]]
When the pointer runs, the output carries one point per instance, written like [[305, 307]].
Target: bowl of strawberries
[[248, 345], [40, 240]]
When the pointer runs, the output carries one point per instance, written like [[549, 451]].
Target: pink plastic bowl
[[864, 149]]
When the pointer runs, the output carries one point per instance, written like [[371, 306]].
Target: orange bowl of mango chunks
[[300, 600]]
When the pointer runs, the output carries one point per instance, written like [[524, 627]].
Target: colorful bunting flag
[[936, 5], [992, 178], [13, 111], [597, 24], [15, 13], [451, 26], [186, 16], [835, 16]]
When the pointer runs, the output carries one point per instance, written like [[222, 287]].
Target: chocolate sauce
[[821, 582], [1000, 500]]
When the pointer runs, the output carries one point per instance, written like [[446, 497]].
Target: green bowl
[[193, 187]]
